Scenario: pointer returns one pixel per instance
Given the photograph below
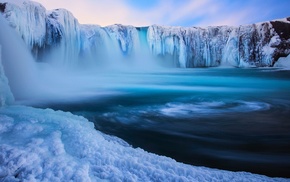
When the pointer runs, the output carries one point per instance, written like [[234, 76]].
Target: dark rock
[[2, 7], [282, 29]]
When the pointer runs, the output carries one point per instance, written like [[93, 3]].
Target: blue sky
[[173, 12]]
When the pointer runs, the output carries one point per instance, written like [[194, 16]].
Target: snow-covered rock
[[47, 145], [57, 32], [283, 62]]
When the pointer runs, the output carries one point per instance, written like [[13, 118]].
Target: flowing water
[[226, 118]]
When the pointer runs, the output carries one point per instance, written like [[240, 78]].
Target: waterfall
[[6, 96], [17, 62]]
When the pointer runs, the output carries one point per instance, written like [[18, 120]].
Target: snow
[[45, 30], [47, 145], [16, 2], [167, 41], [68, 51], [244, 46], [126, 36], [66, 42], [23, 13], [94, 43], [283, 62], [109, 45]]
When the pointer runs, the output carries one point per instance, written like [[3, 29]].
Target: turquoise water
[[234, 119]]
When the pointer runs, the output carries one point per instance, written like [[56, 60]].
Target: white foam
[[214, 107]]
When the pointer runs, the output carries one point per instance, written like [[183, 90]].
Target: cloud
[[92, 12], [170, 12], [107, 12], [224, 13]]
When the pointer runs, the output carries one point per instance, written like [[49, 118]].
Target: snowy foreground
[[47, 145]]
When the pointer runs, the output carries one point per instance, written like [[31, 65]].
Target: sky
[[172, 12]]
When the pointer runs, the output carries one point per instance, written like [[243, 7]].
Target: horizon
[[185, 13]]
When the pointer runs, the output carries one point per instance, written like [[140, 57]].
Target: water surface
[[234, 119]]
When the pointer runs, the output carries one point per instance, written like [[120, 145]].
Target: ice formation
[[283, 62], [6, 96], [243, 46], [19, 18], [59, 33], [47, 145]]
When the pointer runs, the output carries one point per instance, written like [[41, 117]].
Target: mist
[[17, 61], [90, 76]]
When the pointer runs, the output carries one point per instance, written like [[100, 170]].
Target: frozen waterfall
[[56, 36]]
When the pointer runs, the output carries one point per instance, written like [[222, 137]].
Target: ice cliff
[[58, 32], [250, 45]]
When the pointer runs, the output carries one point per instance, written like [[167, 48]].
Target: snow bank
[[47, 145]]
